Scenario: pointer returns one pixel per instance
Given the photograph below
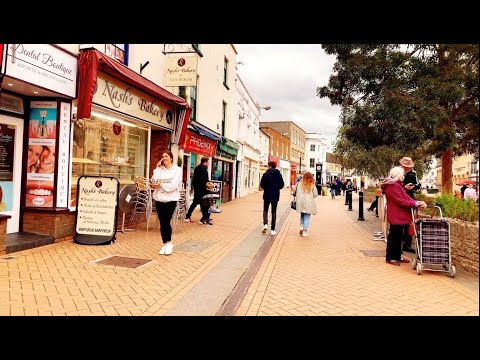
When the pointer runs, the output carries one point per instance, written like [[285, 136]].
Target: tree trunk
[[447, 162]]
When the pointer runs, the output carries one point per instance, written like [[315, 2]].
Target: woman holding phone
[[168, 177]]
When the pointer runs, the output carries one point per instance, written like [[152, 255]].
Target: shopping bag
[[293, 204], [411, 229]]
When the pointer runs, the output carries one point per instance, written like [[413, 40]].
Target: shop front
[[223, 165], [195, 147], [248, 170], [38, 84], [284, 169]]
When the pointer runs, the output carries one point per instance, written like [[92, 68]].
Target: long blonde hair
[[307, 182]]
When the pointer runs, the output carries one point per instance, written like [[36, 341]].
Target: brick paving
[[325, 274]]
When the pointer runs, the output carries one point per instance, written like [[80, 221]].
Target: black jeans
[[165, 212], [394, 242], [266, 203], [196, 201]]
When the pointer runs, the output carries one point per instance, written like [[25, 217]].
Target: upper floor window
[[312, 147], [117, 52], [224, 116], [225, 72], [193, 102]]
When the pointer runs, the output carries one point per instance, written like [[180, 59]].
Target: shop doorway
[[11, 143], [223, 171]]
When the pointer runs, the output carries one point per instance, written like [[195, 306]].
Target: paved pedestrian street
[[328, 273]]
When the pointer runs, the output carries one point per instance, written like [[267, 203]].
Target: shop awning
[[203, 130], [229, 146], [91, 61]]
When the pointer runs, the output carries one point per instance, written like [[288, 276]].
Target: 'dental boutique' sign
[[97, 209]]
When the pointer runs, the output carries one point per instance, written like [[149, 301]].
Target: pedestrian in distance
[[271, 183], [411, 185], [470, 193], [168, 178], [199, 183], [398, 214], [206, 204], [305, 193], [462, 190]]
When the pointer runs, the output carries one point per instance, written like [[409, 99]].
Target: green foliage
[[456, 208], [412, 100]]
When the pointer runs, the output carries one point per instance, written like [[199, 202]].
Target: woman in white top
[[470, 193], [168, 178]]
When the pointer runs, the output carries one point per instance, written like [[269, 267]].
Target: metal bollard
[[360, 206], [376, 207], [346, 197], [350, 197]]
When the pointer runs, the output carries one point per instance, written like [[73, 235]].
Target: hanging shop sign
[[181, 71], [44, 65], [198, 144], [97, 210], [118, 96]]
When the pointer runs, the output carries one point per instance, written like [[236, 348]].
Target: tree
[[406, 100]]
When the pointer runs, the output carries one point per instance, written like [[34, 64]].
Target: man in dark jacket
[[271, 183], [411, 185], [199, 183]]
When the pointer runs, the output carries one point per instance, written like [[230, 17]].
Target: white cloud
[[286, 76]]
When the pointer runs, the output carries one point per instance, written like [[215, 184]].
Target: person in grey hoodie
[[271, 183]]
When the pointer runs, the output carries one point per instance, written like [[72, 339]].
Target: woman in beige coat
[[305, 193]]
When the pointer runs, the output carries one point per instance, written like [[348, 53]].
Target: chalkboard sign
[[97, 210]]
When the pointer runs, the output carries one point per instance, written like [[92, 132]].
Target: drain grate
[[124, 261], [194, 245], [373, 253]]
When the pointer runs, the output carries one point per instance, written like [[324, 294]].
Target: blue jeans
[[304, 220]]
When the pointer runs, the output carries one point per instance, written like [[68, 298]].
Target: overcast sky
[[286, 78]]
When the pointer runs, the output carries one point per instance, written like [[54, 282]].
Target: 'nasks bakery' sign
[[118, 96]]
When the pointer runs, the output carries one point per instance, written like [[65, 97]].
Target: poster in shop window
[[42, 132], [97, 210]]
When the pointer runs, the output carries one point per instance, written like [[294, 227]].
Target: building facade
[[279, 151], [296, 136], [248, 138], [316, 154]]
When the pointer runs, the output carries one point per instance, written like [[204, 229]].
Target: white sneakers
[[305, 234], [162, 250], [273, 233], [166, 249], [265, 228], [169, 249]]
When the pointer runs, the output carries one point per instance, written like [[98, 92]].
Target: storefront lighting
[[112, 119], [10, 84]]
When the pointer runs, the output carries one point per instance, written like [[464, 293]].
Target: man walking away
[[271, 184], [199, 183]]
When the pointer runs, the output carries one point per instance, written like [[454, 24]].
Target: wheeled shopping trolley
[[432, 237]]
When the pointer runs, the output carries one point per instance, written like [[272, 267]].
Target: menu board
[[97, 210]]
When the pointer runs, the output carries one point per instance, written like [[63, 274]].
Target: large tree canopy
[[405, 100]]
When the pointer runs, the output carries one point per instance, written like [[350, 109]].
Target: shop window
[[104, 145], [117, 52]]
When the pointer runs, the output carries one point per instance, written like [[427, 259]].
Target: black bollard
[[346, 197], [376, 207], [360, 206], [350, 197]]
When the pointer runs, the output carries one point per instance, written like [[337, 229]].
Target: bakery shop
[[105, 120]]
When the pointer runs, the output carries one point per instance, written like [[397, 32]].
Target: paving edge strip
[[233, 301]]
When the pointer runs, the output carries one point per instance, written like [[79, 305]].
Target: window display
[[107, 146]]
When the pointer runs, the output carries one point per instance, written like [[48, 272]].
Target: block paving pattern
[[326, 274]]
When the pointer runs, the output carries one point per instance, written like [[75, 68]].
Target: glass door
[[11, 137]]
